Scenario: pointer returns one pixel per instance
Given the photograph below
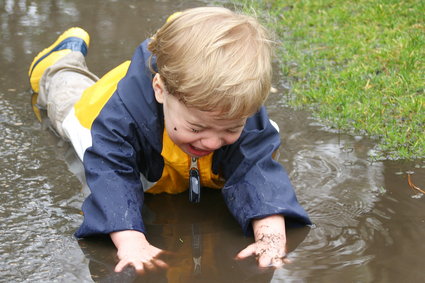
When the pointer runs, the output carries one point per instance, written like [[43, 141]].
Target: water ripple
[[339, 189]]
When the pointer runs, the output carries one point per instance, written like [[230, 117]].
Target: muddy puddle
[[369, 224]]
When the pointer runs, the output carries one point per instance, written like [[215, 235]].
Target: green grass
[[360, 65]]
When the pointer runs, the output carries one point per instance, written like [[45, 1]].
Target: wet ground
[[369, 224]]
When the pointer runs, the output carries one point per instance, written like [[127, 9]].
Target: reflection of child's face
[[196, 132]]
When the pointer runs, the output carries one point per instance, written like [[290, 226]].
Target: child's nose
[[212, 143]]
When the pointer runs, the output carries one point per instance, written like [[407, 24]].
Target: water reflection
[[202, 240], [369, 226], [202, 243]]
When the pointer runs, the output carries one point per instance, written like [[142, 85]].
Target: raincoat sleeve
[[113, 173], [257, 186]]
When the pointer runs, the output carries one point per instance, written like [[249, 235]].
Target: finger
[[165, 254], [149, 266], [121, 265], [248, 251], [279, 262], [275, 262], [161, 264], [265, 260], [141, 267]]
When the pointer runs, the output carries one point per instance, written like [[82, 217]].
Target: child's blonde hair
[[213, 59]]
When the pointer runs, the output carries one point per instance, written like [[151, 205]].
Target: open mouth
[[197, 151]]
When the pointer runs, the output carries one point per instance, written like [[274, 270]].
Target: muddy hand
[[269, 251], [270, 242]]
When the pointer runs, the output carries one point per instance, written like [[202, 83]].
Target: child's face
[[196, 132]]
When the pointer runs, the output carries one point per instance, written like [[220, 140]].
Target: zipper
[[194, 181]]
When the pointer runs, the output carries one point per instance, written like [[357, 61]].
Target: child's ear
[[158, 88]]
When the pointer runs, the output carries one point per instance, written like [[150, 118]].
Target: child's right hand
[[135, 250]]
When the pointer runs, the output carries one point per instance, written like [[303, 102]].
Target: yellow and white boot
[[74, 39]]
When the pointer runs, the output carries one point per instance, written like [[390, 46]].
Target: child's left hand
[[270, 242]]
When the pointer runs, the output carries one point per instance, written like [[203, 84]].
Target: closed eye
[[234, 130]]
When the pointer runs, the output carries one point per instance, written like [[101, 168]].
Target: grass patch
[[360, 64]]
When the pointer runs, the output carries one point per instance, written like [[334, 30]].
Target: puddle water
[[369, 225]]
